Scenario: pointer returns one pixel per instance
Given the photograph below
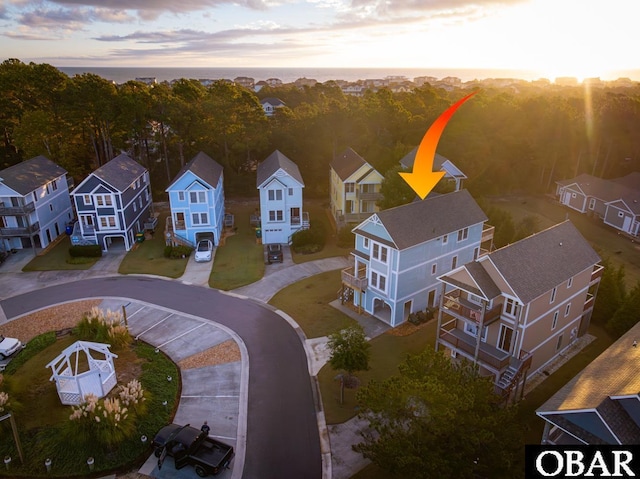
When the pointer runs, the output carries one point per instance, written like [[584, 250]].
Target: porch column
[[545, 432], [479, 335], [440, 305]]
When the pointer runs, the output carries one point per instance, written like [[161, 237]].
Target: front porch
[[485, 355]]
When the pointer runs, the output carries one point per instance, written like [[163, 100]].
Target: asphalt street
[[282, 430]]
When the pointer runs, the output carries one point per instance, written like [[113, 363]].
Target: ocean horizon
[[289, 75]]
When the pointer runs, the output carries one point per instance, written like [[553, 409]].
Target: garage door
[[274, 235], [205, 235]]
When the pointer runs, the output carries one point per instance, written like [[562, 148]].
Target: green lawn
[[148, 257], [314, 314], [57, 259], [605, 240], [240, 260], [318, 213]]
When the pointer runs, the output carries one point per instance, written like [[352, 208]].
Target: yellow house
[[355, 188]]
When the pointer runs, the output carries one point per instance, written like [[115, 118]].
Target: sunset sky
[[553, 37]]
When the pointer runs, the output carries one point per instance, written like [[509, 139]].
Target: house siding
[[279, 231]]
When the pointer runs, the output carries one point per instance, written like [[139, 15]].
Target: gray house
[[600, 405], [112, 204], [452, 173], [616, 202]]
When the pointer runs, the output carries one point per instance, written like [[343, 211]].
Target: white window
[[380, 252], [379, 281], [275, 195], [180, 195], [35, 196], [107, 222], [138, 183], [567, 309], [146, 195], [197, 197], [276, 215], [104, 200], [454, 262], [290, 191], [434, 268], [553, 295], [445, 238], [620, 214], [506, 338], [54, 185], [559, 343], [50, 207], [472, 329], [463, 234], [349, 187], [199, 218], [554, 323], [570, 282], [365, 243], [87, 199], [511, 307], [592, 204], [135, 207]]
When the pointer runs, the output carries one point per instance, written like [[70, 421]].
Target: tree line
[[505, 140]]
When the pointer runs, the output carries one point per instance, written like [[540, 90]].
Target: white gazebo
[[83, 368]]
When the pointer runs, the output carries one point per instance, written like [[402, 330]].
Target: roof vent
[[560, 243], [635, 344]]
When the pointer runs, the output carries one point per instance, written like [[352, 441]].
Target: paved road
[[282, 430]]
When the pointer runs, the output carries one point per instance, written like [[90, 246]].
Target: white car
[[9, 346], [203, 251]]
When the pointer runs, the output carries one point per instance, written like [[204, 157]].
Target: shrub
[[310, 240], [85, 251], [106, 421], [109, 327], [420, 317], [346, 239], [175, 252]]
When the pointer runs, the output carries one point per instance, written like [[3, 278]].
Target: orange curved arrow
[[422, 179]]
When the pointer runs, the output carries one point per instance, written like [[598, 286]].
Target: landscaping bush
[[109, 327], [345, 239], [175, 252], [85, 251], [420, 317], [310, 240]]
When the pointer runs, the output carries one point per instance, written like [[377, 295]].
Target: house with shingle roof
[[615, 201], [354, 188], [400, 252], [280, 185], [35, 206], [515, 309], [196, 199], [113, 203], [601, 404], [452, 173], [270, 104]]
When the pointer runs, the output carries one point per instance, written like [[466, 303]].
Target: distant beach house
[[280, 184], [354, 188], [112, 203], [600, 405], [196, 199], [35, 206], [440, 163], [400, 252], [517, 308], [269, 105], [616, 202]]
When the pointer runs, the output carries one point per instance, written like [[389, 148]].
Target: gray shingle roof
[[346, 163], [539, 263], [273, 163], [632, 180], [431, 218], [409, 158], [487, 286], [120, 172], [605, 190], [30, 175], [204, 167]]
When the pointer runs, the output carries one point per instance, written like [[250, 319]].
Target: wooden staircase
[[512, 375], [171, 238]]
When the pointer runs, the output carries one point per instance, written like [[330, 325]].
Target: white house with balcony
[[280, 185], [35, 206]]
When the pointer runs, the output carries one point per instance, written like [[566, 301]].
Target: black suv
[[274, 253]]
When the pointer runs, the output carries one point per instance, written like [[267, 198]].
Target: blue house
[[113, 203], [196, 198], [34, 204], [400, 252]]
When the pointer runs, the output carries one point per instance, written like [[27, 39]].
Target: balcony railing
[[597, 273], [7, 210], [487, 233], [300, 220], [355, 280], [463, 309], [457, 340], [20, 230], [369, 195], [588, 304]]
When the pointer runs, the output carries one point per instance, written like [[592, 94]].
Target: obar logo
[[582, 461]]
